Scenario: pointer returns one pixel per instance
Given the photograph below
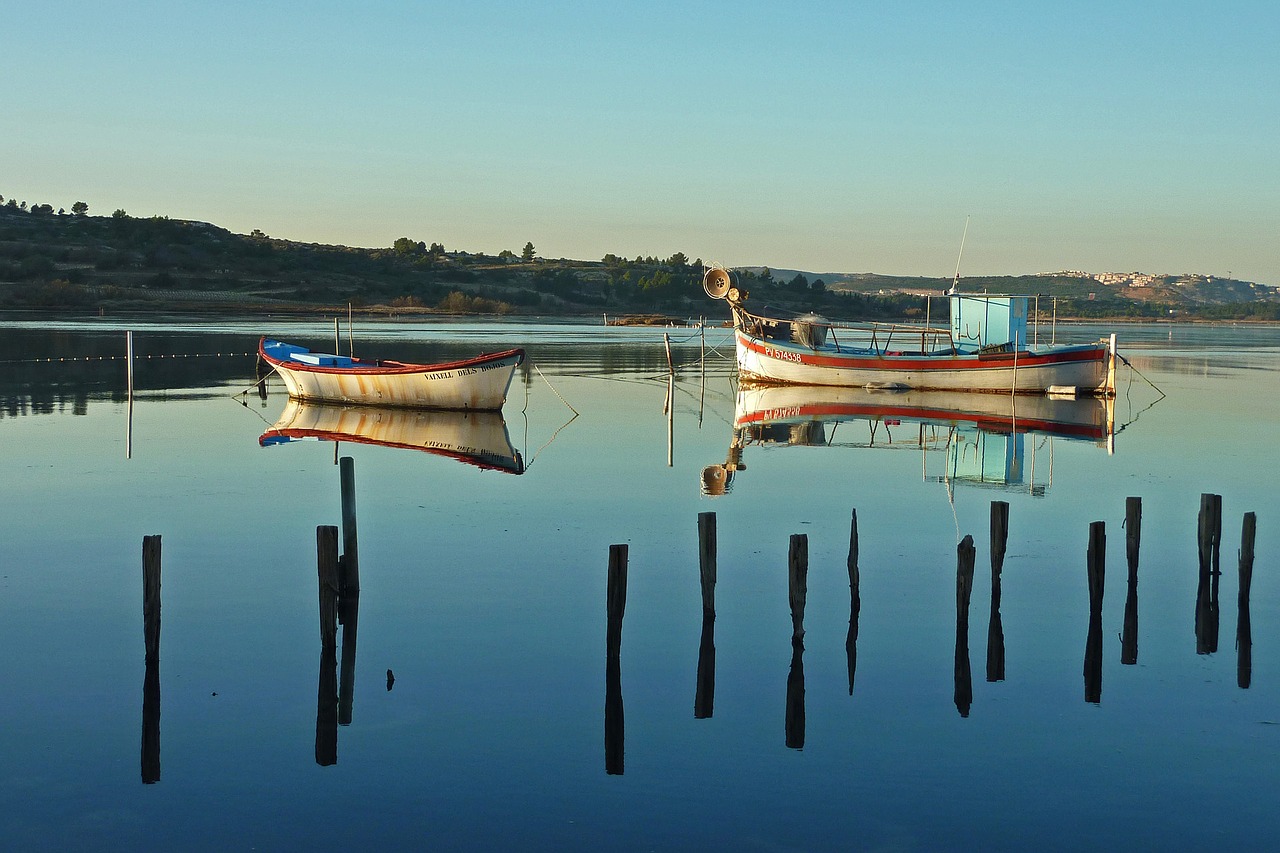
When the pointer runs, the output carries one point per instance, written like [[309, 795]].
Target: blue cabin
[[989, 322]]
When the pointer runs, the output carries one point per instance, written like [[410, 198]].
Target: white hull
[[1032, 371], [474, 384]]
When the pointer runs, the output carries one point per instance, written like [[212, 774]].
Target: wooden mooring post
[[965, 558], [349, 578], [705, 689], [855, 601], [1244, 631], [1133, 544], [798, 581], [1096, 566], [995, 627], [1209, 540], [327, 574], [151, 597], [150, 758], [797, 593], [615, 608], [707, 560]]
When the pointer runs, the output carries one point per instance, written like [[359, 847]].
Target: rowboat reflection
[[983, 436], [476, 438]]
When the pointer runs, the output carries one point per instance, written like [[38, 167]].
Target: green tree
[[80, 208], [528, 253], [678, 261], [506, 255], [119, 214], [406, 246]]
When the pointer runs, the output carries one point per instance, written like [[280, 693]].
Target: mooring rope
[[553, 391], [1129, 364]]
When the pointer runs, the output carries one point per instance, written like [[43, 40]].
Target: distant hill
[[58, 261]]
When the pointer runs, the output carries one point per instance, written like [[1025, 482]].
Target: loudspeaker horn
[[716, 282]]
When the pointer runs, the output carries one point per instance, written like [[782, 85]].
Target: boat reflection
[[476, 438], [984, 436]]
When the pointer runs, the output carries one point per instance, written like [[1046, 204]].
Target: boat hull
[[1031, 371], [479, 383]]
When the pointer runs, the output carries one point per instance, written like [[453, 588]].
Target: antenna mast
[[955, 282]]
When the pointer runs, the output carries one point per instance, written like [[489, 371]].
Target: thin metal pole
[[337, 337], [351, 344]]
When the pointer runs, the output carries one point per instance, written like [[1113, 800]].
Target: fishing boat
[[983, 436], [984, 348], [475, 438], [479, 383]]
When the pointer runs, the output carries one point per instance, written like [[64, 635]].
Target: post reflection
[[615, 609], [995, 627], [704, 699], [151, 724], [795, 696], [855, 602], [1244, 630], [1093, 640], [1209, 535], [1133, 541], [964, 587], [151, 570], [327, 709]]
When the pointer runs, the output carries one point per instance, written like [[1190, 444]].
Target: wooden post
[[349, 582], [616, 597], [855, 601], [1244, 631], [327, 573], [151, 597], [707, 560], [995, 626], [1209, 536], [965, 558], [798, 581], [1096, 560], [615, 608], [1133, 543], [150, 758]]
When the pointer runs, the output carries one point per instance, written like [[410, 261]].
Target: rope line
[[553, 391], [136, 357]]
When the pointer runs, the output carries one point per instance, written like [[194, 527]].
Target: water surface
[[484, 592]]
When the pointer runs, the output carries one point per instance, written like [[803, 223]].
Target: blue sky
[[822, 136]]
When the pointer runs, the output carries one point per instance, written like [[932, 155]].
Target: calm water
[[484, 592]]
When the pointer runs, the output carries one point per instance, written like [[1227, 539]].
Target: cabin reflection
[[994, 440], [474, 438]]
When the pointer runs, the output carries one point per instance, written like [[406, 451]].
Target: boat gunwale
[[387, 367]]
